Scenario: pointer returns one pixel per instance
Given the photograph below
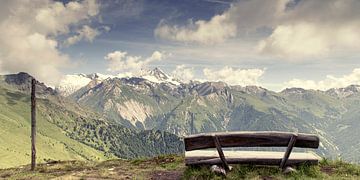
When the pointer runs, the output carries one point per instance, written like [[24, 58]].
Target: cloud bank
[[85, 33], [297, 29], [29, 32], [330, 81], [234, 76], [183, 73], [205, 32], [120, 61]]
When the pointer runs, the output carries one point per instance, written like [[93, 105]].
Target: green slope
[[52, 142], [66, 131]]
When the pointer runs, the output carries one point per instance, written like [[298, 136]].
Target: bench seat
[[200, 157], [197, 148]]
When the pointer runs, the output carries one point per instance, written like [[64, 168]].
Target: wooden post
[[288, 151], [33, 124], [221, 153]]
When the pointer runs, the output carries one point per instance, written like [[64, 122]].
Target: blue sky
[[132, 24], [274, 44]]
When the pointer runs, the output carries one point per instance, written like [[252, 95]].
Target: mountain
[[71, 83], [127, 117], [344, 92], [158, 76], [67, 131], [187, 108]]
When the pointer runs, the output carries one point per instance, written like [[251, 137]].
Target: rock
[[289, 170], [219, 170]]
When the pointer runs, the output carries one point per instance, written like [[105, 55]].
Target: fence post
[[33, 124]]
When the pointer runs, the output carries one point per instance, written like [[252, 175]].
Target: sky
[[274, 44]]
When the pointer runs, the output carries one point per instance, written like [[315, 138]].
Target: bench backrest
[[250, 139]]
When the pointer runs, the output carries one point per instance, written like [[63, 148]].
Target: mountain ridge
[[197, 107], [68, 131], [157, 75]]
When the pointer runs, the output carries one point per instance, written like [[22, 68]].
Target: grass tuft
[[172, 166]]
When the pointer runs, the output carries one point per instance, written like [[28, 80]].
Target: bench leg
[[221, 153], [288, 151]]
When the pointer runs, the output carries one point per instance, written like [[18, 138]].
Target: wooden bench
[[195, 155]]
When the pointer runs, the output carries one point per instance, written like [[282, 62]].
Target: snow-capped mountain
[[71, 83], [158, 76], [344, 92]]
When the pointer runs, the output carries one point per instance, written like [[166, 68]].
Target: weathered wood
[[205, 157], [221, 154], [288, 151], [250, 139], [274, 162], [33, 124]]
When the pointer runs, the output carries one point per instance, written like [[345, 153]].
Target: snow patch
[[71, 83]]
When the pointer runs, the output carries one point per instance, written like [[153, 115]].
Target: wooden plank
[[205, 157], [274, 162], [221, 154], [288, 151], [33, 124], [250, 139]]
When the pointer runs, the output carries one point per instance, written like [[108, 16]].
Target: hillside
[[66, 131], [172, 167]]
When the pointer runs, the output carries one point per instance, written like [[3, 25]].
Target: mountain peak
[[19, 78], [293, 90], [98, 76], [159, 74], [344, 92], [353, 88], [22, 82]]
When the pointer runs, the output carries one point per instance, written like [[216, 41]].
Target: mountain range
[[157, 101], [98, 117]]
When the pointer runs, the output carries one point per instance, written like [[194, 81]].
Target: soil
[[167, 175]]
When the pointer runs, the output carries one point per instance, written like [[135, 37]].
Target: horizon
[[291, 44], [128, 76]]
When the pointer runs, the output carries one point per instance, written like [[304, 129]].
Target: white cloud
[[156, 56], [183, 73], [29, 31], [55, 17], [311, 40], [296, 41], [85, 33], [120, 61], [234, 76], [214, 31], [314, 29], [240, 17], [329, 82], [294, 30]]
